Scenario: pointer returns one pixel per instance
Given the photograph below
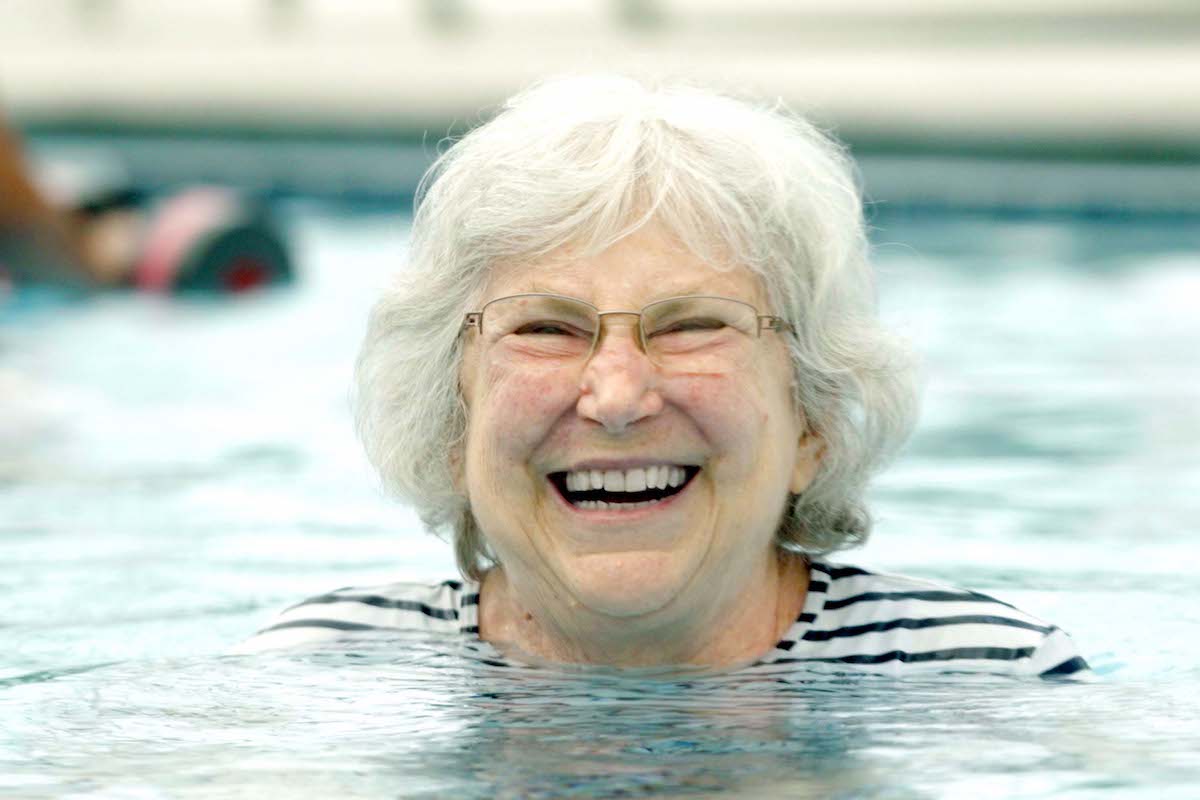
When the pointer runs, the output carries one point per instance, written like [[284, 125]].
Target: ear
[[458, 475], [809, 451], [457, 458], [458, 451]]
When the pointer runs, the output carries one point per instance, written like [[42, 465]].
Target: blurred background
[[355, 96], [1032, 169]]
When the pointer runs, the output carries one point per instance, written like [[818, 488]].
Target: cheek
[[511, 411], [730, 409], [747, 418]]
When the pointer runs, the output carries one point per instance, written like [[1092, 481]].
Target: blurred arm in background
[[43, 243]]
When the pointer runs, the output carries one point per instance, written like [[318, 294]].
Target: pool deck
[[1094, 76]]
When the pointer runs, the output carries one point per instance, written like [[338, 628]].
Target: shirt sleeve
[[1057, 657]]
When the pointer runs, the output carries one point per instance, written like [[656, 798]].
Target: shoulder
[[446, 607], [845, 586], [904, 625]]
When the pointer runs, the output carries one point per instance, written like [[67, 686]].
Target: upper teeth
[[638, 479]]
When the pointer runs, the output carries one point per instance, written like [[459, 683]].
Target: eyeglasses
[[695, 333]]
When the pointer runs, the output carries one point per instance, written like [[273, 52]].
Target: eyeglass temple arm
[[769, 322], [473, 319]]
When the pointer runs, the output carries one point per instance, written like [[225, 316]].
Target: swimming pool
[[173, 473]]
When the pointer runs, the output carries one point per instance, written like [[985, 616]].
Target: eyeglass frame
[[766, 322]]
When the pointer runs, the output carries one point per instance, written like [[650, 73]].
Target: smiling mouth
[[594, 490]]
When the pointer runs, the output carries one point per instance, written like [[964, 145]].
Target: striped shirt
[[852, 620]]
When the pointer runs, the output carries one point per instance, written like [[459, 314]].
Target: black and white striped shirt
[[852, 619]]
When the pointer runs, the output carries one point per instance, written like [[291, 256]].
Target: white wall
[[1064, 69]]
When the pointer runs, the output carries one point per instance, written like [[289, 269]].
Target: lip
[[601, 515], [621, 464]]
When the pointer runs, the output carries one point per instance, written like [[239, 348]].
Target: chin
[[627, 584]]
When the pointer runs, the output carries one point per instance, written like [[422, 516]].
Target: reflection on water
[[432, 722], [172, 474]]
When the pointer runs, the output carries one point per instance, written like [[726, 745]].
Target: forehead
[[639, 269]]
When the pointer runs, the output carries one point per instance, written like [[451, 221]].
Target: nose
[[619, 385]]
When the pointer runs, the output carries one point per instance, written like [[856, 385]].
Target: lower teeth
[[600, 505]]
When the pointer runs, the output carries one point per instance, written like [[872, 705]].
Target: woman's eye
[[547, 328], [691, 324]]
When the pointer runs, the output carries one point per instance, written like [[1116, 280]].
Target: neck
[[732, 628]]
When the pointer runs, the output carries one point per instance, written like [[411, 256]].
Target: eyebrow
[[537, 288], [687, 290]]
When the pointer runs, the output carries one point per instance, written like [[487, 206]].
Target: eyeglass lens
[[703, 334]]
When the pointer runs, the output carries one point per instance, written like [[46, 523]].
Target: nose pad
[[629, 320], [619, 384]]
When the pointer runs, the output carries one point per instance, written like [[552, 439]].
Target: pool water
[[172, 473]]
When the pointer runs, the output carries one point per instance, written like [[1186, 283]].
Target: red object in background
[[178, 223], [244, 274], [211, 239]]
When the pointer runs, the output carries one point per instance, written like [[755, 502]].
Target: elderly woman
[[633, 368]]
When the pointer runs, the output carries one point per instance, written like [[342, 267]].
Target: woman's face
[[736, 435]]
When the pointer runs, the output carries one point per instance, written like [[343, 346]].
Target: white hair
[[587, 161]]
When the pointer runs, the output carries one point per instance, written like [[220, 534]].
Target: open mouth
[[622, 489]]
